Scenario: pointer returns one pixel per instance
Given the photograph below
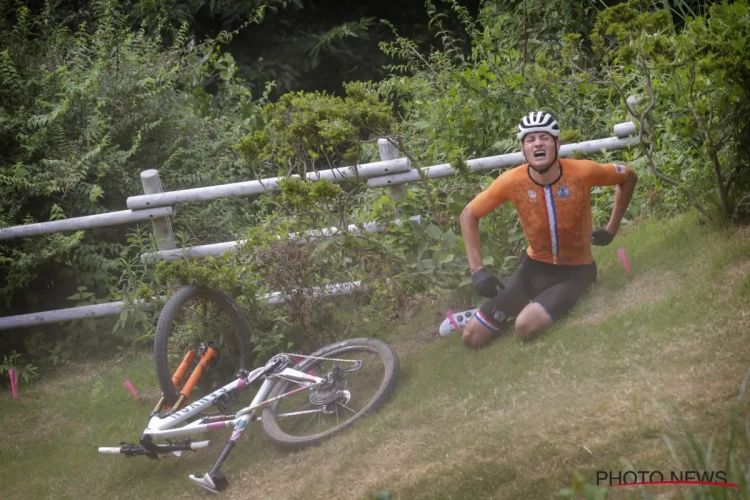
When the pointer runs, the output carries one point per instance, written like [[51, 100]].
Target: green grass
[[515, 420]]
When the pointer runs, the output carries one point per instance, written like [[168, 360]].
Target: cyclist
[[552, 197]]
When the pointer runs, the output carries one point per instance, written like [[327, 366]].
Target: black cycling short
[[556, 288]]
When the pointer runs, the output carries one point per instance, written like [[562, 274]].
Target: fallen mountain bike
[[302, 399]]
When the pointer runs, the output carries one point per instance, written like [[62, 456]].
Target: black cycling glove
[[601, 237], [486, 284]]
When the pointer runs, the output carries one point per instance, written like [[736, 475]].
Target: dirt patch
[[644, 289], [733, 277], [424, 322], [336, 470], [743, 232], [421, 337]]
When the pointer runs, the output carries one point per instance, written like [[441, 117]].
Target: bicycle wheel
[[194, 315], [331, 409]]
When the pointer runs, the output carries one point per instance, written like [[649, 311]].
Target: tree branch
[[648, 144], [710, 146], [726, 132], [732, 175], [525, 37], [744, 201]]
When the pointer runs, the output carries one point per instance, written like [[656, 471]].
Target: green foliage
[[582, 65], [304, 132], [630, 30], [580, 488], [693, 83], [83, 110], [16, 361]]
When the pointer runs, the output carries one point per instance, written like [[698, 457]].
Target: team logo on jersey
[[620, 169], [532, 194], [563, 192]]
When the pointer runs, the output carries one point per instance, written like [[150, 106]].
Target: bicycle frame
[[163, 426], [328, 392]]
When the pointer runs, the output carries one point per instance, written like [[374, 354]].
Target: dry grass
[[581, 424], [332, 471], [648, 288]]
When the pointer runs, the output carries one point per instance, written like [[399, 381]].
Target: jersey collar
[[528, 172]]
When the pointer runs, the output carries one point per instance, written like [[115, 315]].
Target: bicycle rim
[[307, 418]]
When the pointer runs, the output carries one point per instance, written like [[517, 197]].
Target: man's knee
[[475, 334], [531, 321], [525, 329]]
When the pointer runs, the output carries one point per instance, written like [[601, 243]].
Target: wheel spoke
[[362, 386], [342, 404]]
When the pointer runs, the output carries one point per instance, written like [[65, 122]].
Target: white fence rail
[[115, 308], [263, 185], [87, 222], [391, 173], [499, 161], [202, 251], [385, 173]]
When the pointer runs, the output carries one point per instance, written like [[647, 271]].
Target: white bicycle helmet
[[538, 121]]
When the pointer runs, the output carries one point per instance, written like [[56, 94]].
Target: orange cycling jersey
[[555, 218]]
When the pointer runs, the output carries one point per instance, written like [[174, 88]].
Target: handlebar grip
[[111, 450]]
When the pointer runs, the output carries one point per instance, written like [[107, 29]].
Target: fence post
[[163, 225], [389, 151]]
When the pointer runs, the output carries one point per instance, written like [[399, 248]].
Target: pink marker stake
[[130, 387], [624, 260], [449, 314], [13, 382]]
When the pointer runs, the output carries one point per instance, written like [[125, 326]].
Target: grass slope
[[514, 420]]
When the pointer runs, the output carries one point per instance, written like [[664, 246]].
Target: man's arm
[[485, 202], [623, 195], [470, 233]]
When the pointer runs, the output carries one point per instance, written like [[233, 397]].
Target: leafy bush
[[82, 113]]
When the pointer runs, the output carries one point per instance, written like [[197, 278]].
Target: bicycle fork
[[180, 373]]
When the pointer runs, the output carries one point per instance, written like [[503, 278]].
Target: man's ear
[[557, 141]]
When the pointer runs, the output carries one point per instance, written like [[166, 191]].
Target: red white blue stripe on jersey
[[552, 216]]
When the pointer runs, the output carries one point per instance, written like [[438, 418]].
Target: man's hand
[[601, 237], [486, 284]]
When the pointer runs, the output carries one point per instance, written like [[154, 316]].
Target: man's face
[[539, 149]]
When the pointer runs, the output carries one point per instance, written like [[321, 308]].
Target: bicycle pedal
[[214, 484]]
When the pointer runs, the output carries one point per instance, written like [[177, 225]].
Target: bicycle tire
[[392, 370], [165, 325]]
